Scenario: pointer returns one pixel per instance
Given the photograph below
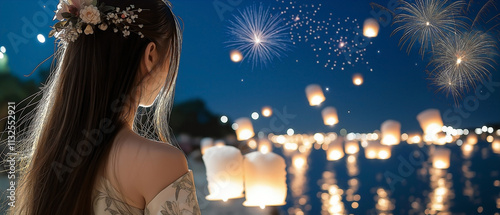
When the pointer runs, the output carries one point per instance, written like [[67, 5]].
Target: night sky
[[398, 87]]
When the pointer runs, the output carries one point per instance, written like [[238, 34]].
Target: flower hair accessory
[[84, 16]]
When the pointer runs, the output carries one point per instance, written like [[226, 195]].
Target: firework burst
[[259, 35], [462, 60], [426, 21], [337, 43]]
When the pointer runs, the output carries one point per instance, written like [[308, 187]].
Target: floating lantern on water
[[370, 27], [383, 152], [441, 158], [315, 95], [371, 150], [467, 149], [430, 121], [265, 179], [357, 79], [414, 139], [224, 166], [267, 111], [495, 145], [299, 161], [335, 150], [252, 144], [206, 143], [265, 146], [391, 132], [236, 56], [245, 129], [219, 143], [330, 116], [471, 139], [351, 147]]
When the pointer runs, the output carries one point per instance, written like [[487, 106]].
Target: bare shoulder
[[153, 165]]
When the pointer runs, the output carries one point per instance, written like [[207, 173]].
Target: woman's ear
[[150, 57]]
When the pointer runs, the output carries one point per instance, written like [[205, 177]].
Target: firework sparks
[[259, 35], [426, 21], [462, 60], [335, 42]]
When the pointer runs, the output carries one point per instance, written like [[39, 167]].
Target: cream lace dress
[[176, 199]]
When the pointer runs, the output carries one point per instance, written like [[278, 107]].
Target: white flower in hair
[[91, 15], [89, 30]]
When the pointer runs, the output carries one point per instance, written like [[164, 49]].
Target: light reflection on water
[[355, 184]]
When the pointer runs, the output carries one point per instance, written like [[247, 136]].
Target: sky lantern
[[335, 150], [245, 129], [430, 121], [224, 166], [471, 139], [391, 132], [370, 27], [265, 146], [236, 56], [495, 145], [351, 147], [371, 150], [383, 151], [441, 158], [414, 138], [330, 116], [357, 79], [467, 149], [265, 179], [299, 161], [252, 143], [219, 143], [206, 143], [315, 95], [267, 111]]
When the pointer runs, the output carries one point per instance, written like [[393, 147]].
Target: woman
[[88, 150]]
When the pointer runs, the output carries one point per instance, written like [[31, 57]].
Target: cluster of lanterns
[[315, 97], [259, 176]]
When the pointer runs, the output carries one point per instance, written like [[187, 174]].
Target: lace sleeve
[[176, 199]]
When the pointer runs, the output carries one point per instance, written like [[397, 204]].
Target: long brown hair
[[82, 108]]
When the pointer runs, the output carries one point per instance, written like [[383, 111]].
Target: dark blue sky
[[397, 88]]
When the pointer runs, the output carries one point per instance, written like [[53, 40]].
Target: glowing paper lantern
[[330, 116], [391, 132], [430, 121], [206, 143], [371, 150], [315, 95], [383, 152], [299, 161], [357, 79], [370, 27], [351, 147], [224, 166], [265, 146], [495, 145], [467, 149], [267, 111], [245, 129], [236, 56], [441, 158], [219, 143], [414, 139], [471, 139], [335, 150], [252, 144], [265, 179]]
